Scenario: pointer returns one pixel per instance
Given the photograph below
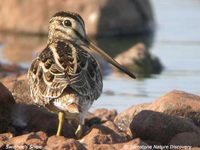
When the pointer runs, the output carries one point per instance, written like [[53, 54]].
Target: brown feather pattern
[[71, 67]]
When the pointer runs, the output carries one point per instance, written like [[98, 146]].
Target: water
[[177, 44]]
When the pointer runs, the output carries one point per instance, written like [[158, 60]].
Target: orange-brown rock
[[99, 134], [28, 141], [4, 137], [195, 148], [61, 143], [179, 103], [6, 102], [101, 17], [176, 103], [111, 125], [186, 139], [105, 114], [135, 144], [156, 126]]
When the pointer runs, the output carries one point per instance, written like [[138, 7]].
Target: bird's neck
[[55, 40]]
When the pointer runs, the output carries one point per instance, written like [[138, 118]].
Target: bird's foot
[[79, 131]]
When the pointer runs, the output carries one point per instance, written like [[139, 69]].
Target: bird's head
[[70, 27], [66, 26]]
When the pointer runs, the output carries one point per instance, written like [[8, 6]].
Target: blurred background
[[157, 40]]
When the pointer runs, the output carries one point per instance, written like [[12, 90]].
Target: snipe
[[65, 78]]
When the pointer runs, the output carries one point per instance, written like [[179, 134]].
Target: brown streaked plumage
[[65, 77]]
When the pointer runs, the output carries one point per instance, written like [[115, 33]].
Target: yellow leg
[[79, 131], [61, 117]]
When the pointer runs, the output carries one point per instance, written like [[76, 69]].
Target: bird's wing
[[62, 65], [46, 78], [87, 80]]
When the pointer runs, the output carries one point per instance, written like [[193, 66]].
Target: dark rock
[[140, 61], [29, 118], [61, 143], [152, 143], [155, 126], [31, 141], [100, 116], [102, 18], [91, 119], [99, 134], [186, 139], [6, 102], [105, 114]]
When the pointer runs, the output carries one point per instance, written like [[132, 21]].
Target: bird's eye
[[67, 23]]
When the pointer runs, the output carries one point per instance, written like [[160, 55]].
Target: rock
[[101, 17], [140, 61], [179, 103], [31, 141], [91, 119], [105, 114], [176, 103], [135, 144], [112, 126], [30, 118], [99, 134], [60, 143], [155, 126], [6, 102], [186, 139], [124, 119], [4, 138]]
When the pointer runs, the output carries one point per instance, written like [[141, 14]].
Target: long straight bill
[[109, 59]]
